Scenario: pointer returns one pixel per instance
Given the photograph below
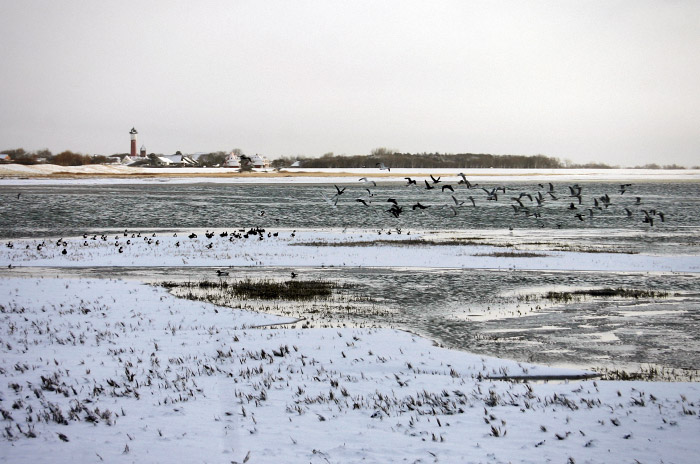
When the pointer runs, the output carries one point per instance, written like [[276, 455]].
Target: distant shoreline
[[16, 174]]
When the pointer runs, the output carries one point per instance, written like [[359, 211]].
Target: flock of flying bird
[[529, 204]]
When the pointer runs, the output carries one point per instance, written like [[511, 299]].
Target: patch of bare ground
[[513, 254], [650, 374], [579, 295]]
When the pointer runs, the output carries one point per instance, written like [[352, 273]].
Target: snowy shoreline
[[12, 174], [310, 248]]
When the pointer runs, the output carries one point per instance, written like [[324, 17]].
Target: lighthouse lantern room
[[133, 133]]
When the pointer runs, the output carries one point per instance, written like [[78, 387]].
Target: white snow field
[[46, 174], [114, 371]]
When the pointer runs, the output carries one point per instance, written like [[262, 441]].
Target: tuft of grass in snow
[[604, 292], [266, 289]]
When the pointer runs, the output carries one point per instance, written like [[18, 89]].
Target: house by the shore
[[256, 161]]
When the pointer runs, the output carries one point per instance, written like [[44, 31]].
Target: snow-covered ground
[[311, 248], [116, 371], [15, 174], [113, 371]]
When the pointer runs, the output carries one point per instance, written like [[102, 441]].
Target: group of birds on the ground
[[529, 204], [125, 239]]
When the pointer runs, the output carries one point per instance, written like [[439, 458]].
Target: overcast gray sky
[[611, 81]]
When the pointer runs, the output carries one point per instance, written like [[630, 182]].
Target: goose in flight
[[367, 181], [457, 202], [575, 190], [491, 194], [419, 206], [551, 186], [466, 182], [360, 200], [448, 187], [435, 181], [339, 190], [410, 181], [331, 202], [382, 167], [395, 210], [428, 186]]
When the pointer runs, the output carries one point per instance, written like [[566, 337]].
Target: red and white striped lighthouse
[[133, 142]]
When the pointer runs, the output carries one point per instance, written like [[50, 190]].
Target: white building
[[259, 162], [232, 161]]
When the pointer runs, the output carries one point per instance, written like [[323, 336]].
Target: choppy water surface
[[491, 312], [72, 210]]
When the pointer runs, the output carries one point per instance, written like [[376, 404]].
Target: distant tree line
[[389, 157], [65, 158], [395, 159]]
